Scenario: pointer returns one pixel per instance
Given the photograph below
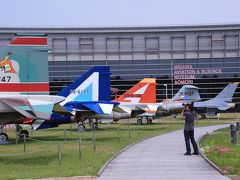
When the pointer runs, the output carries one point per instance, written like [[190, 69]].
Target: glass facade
[[211, 75]]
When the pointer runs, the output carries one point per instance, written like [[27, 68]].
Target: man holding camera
[[189, 116]]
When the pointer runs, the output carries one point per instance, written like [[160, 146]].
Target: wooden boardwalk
[[161, 157]]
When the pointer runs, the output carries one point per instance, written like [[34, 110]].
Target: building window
[[178, 43], [204, 42], [152, 44], [231, 41], [59, 45], [218, 41], [112, 44], [126, 44], [86, 45]]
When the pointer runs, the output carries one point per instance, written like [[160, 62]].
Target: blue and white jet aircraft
[[88, 96]]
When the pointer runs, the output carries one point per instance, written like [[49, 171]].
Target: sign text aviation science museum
[[185, 74]]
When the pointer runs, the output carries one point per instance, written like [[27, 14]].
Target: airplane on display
[[138, 100], [87, 97], [222, 102], [186, 95], [24, 83]]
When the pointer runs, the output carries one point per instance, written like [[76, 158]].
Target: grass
[[41, 157], [219, 150]]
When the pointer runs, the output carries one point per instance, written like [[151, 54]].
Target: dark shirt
[[189, 120]]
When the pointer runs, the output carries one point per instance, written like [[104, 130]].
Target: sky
[[114, 13]]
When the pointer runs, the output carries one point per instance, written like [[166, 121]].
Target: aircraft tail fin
[[24, 66], [227, 93], [142, 92], [187, 94], [94, 85]]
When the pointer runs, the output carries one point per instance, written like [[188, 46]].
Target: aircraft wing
[[146, 115], [148, 108], [22, 106], [97, 107], [122, 109], [141, 107], [223, 107], [162, 108], [163, 105], [212, 104], [32, 106]]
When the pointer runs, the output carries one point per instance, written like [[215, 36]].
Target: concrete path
[[161, 157]]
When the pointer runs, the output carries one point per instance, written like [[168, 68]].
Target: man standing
[[189, 116]]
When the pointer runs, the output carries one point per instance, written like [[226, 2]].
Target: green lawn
[[219, 150], [41, 157]]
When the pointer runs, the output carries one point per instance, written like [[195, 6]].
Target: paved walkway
[[161, 157]]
